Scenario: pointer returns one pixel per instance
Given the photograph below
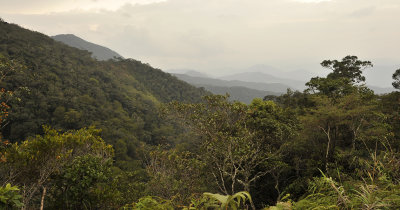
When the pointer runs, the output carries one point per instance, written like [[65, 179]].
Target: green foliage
[[239, 200], [396, 77], [326, 193], [150, 203], [268, 118], [349, 67], [70, 90], [376, 191], [32, 163], [345, 75], [7, 68], [293, 100], [238, 142], [217, 201], [175, 175], [127, 186], [81, 182], [10, 197]]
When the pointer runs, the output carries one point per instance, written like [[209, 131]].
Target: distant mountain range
[[189, 72], [378, 78], [297, 75], [259, 77], [252, 83], [98, 52], [236, 93], [238, 90], [272, 87]]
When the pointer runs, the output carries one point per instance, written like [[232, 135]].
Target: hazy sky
[[218, 35]]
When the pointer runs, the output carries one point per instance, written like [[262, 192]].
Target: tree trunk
[[328, 135], [277, 189], [333, 144], [42, 201], [327, 152]]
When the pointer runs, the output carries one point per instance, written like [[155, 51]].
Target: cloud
[[51, 6], [311, 1], [227, 34], [363, 12]]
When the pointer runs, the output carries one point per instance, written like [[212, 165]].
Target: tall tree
[[345, 76], [349, 67], [396, 77], [344, 107]]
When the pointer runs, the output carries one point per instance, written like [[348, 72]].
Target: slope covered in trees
[[67, 89]]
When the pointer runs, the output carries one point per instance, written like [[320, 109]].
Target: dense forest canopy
[[78, 133], [68, 89]]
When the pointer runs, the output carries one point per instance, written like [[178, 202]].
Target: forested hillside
[[64, 87], [47, 83], [78, 133], [220, 87]]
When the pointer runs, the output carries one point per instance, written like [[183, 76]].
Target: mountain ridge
[[99, 52], [68, 89], [273, 87], [261, 77]]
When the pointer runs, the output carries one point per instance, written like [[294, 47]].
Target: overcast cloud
[[217, 36]]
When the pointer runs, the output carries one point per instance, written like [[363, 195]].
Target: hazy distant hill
[[272, 87], [238, 90], [189, 72], [243, 94], [260, 77], [98, 52], [300, 85], [380, 76], [380, 90], [297, 75]]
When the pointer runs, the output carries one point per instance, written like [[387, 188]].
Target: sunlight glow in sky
[[312, 1]]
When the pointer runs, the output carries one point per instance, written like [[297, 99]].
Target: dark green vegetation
[[164, 146], [98, 52], [68, 89], [63, 87]]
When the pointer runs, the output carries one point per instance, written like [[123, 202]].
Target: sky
[[225, 36]]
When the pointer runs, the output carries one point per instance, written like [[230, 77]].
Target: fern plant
[[150, 203], [221, 202]]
